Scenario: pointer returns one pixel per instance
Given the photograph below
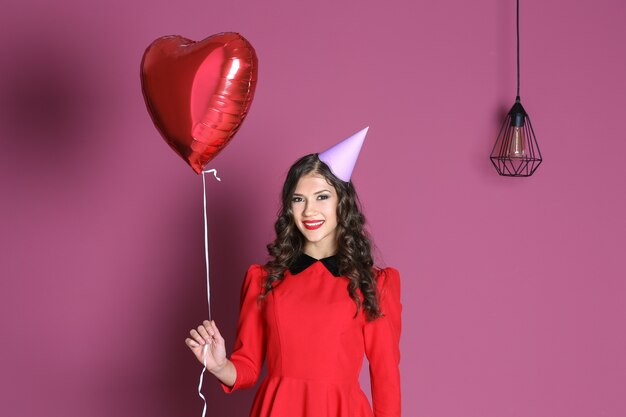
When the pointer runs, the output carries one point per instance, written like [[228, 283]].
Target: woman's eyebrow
[[317, 192]]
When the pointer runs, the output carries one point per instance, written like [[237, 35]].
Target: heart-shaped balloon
[[198, 93]]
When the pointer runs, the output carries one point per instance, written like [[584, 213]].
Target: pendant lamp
[[516, 153]]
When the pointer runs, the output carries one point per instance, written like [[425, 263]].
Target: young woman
[[314, 310]]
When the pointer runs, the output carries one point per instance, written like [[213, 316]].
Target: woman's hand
[[208, 334]]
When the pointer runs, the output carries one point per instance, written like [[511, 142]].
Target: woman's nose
[[309, 209]]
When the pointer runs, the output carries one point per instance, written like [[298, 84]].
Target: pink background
[[514, 290]]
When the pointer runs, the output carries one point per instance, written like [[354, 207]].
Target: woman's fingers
[[207, 340], [218, 335], [191, 343], [196, 336], [209, 328], [204, 333]]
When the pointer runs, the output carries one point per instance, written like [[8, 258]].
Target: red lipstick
[[313, 224]]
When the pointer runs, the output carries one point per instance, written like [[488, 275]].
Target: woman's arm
[[227, 374], [209, 347], [244, 366], [382, 347]]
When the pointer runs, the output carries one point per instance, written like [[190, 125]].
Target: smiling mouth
[[312, 225]]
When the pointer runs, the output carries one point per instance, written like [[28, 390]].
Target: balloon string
[[208, 283], [204, 349], [206, 237]]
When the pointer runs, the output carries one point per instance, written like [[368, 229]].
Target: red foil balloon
[[198, 93]]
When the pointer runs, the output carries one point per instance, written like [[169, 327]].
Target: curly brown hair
[[354, 252]]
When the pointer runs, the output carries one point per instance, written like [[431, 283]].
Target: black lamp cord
[[517, 13]]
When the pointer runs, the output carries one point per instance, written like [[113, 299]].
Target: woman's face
[[314, 206]]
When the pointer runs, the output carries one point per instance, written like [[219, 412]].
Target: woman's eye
[[323, 196], [296, 199]]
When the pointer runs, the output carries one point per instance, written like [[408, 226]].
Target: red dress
[[315, 346]]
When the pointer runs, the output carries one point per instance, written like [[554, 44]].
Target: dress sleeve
[[249, 351], [382, 347]]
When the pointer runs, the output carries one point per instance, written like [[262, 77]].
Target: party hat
[[342, 157]]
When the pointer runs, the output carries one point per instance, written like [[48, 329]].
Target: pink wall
[[513, 289]]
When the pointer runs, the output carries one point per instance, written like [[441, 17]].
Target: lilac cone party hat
[[342, 157]]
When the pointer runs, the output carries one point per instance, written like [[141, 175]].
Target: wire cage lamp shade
[[516, 153]]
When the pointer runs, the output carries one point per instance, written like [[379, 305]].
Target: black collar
[[304, 261]]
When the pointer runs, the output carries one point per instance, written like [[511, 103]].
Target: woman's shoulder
[[388, 272], [256, 274], [388, 277], [257, 269]]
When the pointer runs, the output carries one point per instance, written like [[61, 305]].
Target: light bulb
[[517, 148]]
